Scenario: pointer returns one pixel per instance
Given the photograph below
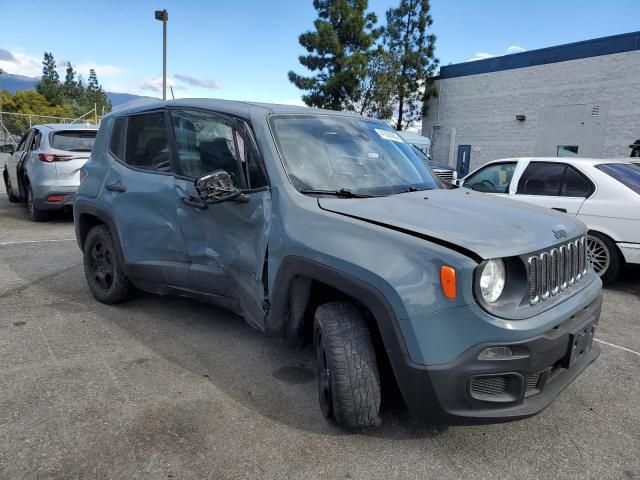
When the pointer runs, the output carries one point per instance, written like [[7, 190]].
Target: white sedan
[[604, 194]]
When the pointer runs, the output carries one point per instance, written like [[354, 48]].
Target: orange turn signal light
[[448, 281]]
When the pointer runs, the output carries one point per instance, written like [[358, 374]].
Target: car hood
[[480, 225]]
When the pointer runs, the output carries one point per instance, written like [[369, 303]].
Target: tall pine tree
[[406, 38], [95, 95], [49, 85], [70, 86], [338, 53]]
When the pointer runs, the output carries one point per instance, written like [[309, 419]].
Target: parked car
[[324, 227], [44, 170], [444, 172], [635, 149], [604, 194]]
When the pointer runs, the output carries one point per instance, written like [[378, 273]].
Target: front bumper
[[66, 201], [468, 390]]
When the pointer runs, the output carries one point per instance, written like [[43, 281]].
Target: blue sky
[[243, 49]]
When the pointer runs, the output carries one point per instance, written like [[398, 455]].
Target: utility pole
[[163, 16]]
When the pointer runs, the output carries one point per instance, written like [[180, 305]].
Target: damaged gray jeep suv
[[325, 228]]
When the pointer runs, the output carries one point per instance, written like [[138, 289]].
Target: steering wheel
[[490, 183]]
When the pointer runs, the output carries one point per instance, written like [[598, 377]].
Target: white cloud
[[481, 56], [21, 63], [485, 55], [515, 49], [197, 82], [102, 69]]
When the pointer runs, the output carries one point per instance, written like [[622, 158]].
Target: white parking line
[[617, 346], [38, 241]]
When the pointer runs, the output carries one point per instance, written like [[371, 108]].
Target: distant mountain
[[13, 83]]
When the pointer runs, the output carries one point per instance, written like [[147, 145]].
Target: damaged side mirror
[[218, 187]]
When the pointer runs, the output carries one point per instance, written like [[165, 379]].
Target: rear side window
[[145, 144], [74, 141], [626, 173], [116, 143], [553, 179]]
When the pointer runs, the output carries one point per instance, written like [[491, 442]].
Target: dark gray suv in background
[[325, 228]]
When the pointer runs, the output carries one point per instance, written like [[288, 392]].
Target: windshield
[[331, 153], [74, 140], [626, 173]]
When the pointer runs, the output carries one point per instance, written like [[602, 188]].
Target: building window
[[567, 151]]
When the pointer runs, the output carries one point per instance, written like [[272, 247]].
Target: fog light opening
[[496, 353]]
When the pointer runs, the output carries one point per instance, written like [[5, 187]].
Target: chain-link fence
[[14, 125]]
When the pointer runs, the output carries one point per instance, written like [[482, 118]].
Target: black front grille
[[489, 385]]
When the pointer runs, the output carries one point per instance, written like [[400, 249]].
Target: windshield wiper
[[413, 189], [343, 192]]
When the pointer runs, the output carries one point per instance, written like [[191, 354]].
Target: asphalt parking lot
[[171, 388]]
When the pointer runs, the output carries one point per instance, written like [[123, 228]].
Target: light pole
[[163, 16]]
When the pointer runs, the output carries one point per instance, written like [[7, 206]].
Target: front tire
[[35, 215], [102, 267], [604, 256], [348, 378]]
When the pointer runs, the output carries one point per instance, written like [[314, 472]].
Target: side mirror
[[7, 148], [217, 187], [457, 182]]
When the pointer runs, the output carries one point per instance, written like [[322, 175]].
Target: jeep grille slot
[[556, 270]]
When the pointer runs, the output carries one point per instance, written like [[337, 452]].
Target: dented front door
[[227, 241]]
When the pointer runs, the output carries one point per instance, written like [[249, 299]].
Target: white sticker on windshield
[[388, 135]]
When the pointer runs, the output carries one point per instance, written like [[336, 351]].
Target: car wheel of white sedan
[[603, 256]]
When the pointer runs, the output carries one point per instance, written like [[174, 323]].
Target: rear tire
[[35, 215], [13, 198], [102, 267], [348, 378], [604, 256]]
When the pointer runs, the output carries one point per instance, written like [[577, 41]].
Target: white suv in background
[[604, 194], [44, 171]]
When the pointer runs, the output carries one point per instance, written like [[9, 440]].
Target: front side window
[[331, 153], [626, 173], [494, 178], [23, 142], [635, 153], [205, 143], [146, 144]]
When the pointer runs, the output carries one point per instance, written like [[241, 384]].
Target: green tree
[[70, 87], [378, 88], [338, 52], [406, 38], [49, 85], [30, 103], [95, 95]]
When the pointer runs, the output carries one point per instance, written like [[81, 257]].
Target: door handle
[[563, 210], [191, 202], [116, 187]]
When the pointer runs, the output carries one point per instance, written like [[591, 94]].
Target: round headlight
[[492, 280]]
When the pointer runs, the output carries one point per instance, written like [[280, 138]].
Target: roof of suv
[[66, 126], [232, 107], [569, 160]]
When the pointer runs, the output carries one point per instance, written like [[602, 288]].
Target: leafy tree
[[378, 89], [95, 95], [338, 52], [407, 39], [31, 103], [70, 87], [49, 85]]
